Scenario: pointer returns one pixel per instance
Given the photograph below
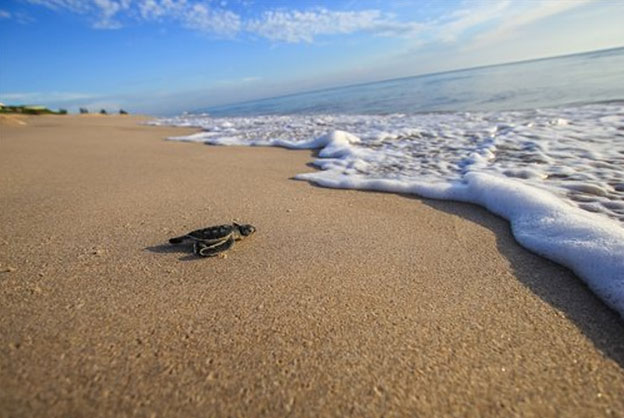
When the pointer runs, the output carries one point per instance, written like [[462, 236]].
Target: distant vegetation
[[30, 110], [42, 110]]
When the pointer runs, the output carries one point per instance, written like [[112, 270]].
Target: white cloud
[[75, 6], [159, 9], [467, 18], [41, 97], [107, 9], [303, 26], [519, 18], [102, 12], [19, 17], [213, 18], [205, 19], [499, 17], [197, 16], [151, 9]]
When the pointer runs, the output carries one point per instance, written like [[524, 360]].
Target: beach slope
[[343, 303]]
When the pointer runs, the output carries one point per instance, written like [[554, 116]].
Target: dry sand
[[11, 119], [343, 303]]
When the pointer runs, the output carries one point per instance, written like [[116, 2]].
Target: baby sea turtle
[[214, 240]]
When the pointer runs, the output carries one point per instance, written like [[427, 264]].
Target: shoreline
[[542, 219], [413, 306]]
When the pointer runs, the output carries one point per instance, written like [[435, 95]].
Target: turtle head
[[245, 229]]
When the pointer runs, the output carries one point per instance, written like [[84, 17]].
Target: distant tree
[[103, 112], [122, 112], [84, 110], [62, 111]]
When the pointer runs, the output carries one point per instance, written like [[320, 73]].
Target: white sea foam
[[556, 174]]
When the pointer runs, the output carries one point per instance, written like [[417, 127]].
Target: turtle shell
[[213, 233]]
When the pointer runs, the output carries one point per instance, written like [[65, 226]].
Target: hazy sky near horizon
[[167, 56]]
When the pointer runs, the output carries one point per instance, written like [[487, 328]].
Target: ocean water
[[575, 79], [539, 143]]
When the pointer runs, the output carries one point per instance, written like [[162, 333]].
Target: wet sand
[[344, 303]]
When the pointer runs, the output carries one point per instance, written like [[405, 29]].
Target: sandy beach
[[344, 303]]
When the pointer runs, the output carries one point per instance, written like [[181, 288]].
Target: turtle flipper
[[177, 240], [203, 249]]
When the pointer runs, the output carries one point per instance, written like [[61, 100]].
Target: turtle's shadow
[[174, 249]]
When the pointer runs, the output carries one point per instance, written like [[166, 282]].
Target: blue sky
[[167, 56]]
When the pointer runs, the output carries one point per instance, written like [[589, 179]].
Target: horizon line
[[455, 70]]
